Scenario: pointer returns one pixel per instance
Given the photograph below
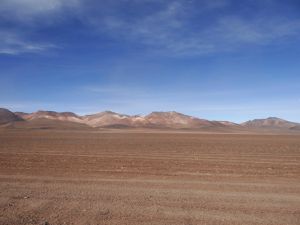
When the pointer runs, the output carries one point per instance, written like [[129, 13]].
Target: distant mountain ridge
[[153, 120], [271, 122], [159, 120]]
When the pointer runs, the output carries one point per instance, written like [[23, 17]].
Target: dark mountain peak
[[3, 110], [274, 118], [69, 114], [7, 116], [110, 112]]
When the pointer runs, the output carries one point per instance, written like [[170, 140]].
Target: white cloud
[[14, 44], [28, 9], [173, 28], [25, 14]]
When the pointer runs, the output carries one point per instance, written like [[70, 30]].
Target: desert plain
[[56, 177]]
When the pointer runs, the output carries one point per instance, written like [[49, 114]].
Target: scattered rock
[[104, 212]]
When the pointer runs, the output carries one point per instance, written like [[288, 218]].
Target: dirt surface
[[64, 177]]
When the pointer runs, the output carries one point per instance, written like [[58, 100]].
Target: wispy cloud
[[14, 44], [173, 28], [28, 10], [165, 29], [257, 31], [28, 15]]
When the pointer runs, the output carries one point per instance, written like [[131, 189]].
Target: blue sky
[[221, 60]]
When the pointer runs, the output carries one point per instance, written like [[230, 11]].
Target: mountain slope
[[109, 118], [51, 115], [295, 128], [270, 123], [178, 120], [7, 116]]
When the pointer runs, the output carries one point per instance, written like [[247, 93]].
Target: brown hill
[[108, 118], [178, 120], [51, 115], [7, 116], [270, 123]]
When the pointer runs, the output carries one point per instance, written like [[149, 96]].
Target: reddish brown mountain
[[177, 120], [108, 118], [153, 120], [51, 115]]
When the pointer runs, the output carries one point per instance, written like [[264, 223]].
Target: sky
[[215, 59]]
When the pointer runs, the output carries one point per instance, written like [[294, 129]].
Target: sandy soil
[[60, 177]]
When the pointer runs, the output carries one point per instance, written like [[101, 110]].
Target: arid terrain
[[128, 178]]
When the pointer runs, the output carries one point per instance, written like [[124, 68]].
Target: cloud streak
[[24, 18], [26, 11], [177, 28], [172, 28], [14, 44]]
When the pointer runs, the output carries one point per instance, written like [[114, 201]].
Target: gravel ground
[[67, 177]]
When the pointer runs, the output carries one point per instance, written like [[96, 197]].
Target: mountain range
[[158, 120]]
